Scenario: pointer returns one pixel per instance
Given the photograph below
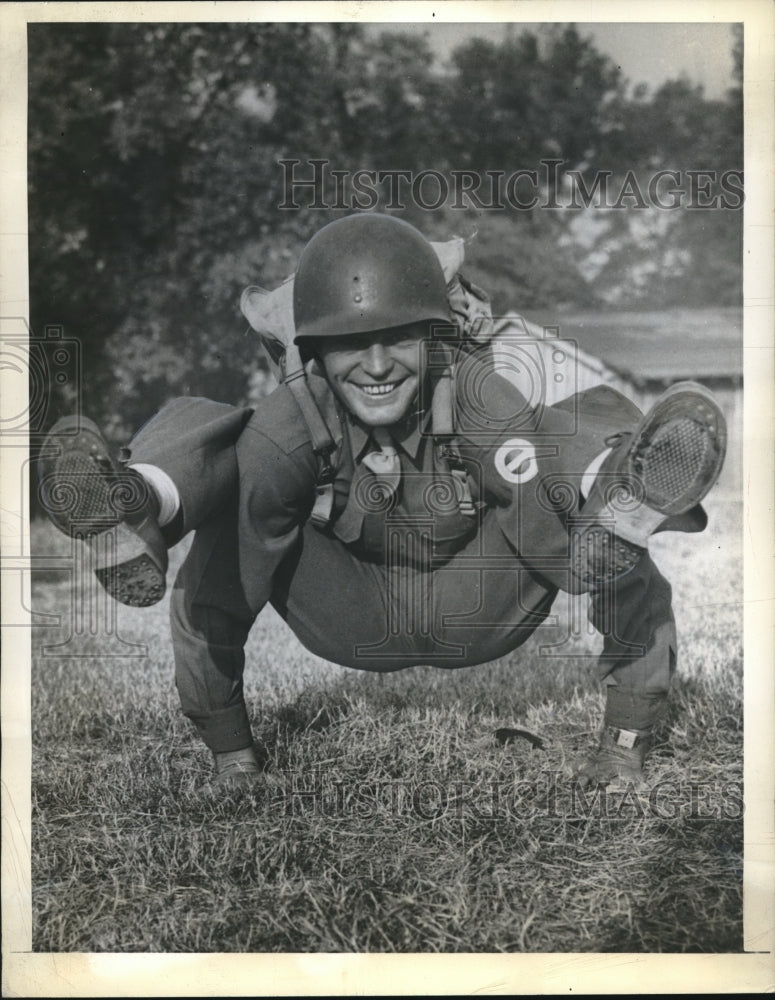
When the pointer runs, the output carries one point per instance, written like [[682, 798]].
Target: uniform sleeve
[[276, 496]]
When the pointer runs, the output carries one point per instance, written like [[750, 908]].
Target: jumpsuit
[[399, 581]]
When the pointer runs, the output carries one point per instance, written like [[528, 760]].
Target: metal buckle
[[624, 737]]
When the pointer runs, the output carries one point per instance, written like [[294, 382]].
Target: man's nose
[[376, 361]]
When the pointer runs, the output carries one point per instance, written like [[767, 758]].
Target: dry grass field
[[391, 819]]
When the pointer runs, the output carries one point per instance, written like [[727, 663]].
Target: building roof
[[660, 345]]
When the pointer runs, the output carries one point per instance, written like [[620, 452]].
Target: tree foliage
[[514, 102]]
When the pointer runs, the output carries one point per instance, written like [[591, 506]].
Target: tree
[[512, 103]]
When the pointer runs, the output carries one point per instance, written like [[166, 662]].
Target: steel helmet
[[367, 272]]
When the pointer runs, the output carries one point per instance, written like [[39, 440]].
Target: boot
[[631, 720], [653, 476], [618, 760], [236, 768], [88, 496]]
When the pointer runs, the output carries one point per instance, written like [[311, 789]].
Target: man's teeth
[[379, 390]]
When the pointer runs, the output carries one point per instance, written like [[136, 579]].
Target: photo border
[[27, 973]]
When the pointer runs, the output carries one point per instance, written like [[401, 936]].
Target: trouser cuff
[[628, 709], [225, 729]]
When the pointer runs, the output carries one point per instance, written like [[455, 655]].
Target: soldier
[[397, 501]]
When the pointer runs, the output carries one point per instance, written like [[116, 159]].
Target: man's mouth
[[383, 389]]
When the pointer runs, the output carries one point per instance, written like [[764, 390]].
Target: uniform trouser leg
[[193, 440], [209, 634], [634, 615]]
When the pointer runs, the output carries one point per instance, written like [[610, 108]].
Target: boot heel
[[138, 583]]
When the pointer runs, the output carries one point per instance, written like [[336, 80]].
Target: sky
[[646, 53]]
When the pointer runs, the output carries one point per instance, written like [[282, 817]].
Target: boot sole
[[675, 456], [678, 449], [80, 487], [85, 497]]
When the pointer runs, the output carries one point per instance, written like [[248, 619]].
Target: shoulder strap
[[322, 442]]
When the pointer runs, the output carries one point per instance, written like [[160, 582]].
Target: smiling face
[[376, 375]]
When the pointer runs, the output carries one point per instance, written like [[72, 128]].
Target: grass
[[419, 832]]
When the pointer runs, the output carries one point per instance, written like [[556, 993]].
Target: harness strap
[[322, 443], [443, 415]]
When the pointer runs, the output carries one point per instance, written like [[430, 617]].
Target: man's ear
[[252, 304]]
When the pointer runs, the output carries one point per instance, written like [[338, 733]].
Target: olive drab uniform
[[417, 573]]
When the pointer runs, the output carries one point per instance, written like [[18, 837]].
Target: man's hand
[[615, 763]]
